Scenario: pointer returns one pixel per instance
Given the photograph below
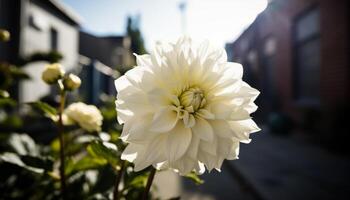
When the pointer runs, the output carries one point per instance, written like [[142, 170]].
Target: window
[[54, 39], [269, 70], [307, 57]]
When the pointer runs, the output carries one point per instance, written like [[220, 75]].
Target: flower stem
[[120, 172], [61, 139], [149, 184]]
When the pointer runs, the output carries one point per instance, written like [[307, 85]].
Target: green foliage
[[195, 178], [44, 108], [133, 31], [9, 75], [106, 150], [7, 102], [50, 56]]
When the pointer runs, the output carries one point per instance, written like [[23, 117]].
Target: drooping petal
[[203, 130], [222, 128], [178, 141], [131, 152], [164, 120], [242, 129]]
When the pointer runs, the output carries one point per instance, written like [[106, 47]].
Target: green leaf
[[45, 108], [7, 102], [18, 73], [89, 162], [195, 178], [104, 150], [15, 159], [139, 181], [22, 144], [38, 162]]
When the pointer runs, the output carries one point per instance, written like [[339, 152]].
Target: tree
[[133, 31]]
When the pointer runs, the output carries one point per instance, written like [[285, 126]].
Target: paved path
[[286, 168], [270, 168]]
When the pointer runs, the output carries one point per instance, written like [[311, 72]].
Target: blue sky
[[220, 21]]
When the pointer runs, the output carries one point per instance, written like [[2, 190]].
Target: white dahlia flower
[[184, 107], [87, 116]]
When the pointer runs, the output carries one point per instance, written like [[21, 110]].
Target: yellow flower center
[[192, 99]]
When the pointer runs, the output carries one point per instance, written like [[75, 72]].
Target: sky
[[219, 21]]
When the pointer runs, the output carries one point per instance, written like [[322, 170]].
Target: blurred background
[[296, 52]]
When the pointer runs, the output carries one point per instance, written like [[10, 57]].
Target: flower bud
[[192, 99], [71, 82], [52, 73], [4, 35]]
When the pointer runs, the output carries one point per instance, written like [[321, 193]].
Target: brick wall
[[277, 22]]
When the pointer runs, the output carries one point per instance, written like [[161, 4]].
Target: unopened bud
[[4, 35], [52, 73], [71, 82]]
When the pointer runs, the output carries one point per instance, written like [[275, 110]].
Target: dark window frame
[[54, 37], [296, 45]]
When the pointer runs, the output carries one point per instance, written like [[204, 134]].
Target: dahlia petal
[[242, 129], [131, 152], [206, 114], [184, 165], [193, 147], [202, 50], [222, 128], [221, 110], [143, 60], [156, 149], [164, 120], [232, 70], [159, 97], [178, 141], [124, 86], [199, 168], [203, 130], [138, 132], [209, 146]]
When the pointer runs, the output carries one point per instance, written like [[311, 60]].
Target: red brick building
[[297, 53]]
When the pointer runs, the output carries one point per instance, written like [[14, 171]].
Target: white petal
[[138, 132], [242, 129], [131, 152], [221, 110], [178, 141], [160, 97], [200, 168], [184, 165], [193, 147], [232, 70], [122, 83], [143, 60], [164, 120], [156, 149], [206, 114], [209, 147], [222, 128], [203, 130], [189, 120]]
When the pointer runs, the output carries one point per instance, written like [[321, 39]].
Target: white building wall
[[38, 40]]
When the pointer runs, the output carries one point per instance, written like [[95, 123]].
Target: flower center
[[192, 99]]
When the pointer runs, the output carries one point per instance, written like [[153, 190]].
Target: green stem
[[61, 139], [149, 184], [120, 172]]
